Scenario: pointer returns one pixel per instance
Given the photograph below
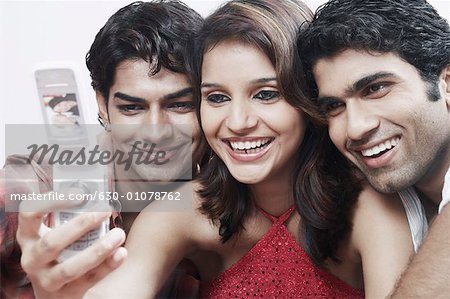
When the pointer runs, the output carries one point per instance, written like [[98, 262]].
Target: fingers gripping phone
[[85, 189]]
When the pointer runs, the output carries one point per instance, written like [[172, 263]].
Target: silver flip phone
[[61, 107], [59, 95]]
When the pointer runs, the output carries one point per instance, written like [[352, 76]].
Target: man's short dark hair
[[159, 32], [412, 29]]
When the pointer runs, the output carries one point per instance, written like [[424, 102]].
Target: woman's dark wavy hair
[[159, 32], [412, 29], [324, 187]]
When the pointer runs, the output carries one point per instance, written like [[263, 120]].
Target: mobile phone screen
[[60, 102]]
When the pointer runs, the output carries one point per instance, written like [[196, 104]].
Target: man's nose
[[157, 127], [361, 121]]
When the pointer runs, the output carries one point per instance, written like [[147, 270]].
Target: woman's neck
[[274, 196]]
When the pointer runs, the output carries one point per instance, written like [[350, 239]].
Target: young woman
[[278, 213]]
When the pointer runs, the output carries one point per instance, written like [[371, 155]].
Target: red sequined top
[[277, 267]]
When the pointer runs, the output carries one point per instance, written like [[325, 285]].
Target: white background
[[33, 32]]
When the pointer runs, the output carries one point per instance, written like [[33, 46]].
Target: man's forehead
[[143, 66], [349, 66], [134, 78], [362, 58]]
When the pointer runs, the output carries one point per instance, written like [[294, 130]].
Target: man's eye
[[182, 106], [217, 98], [267, 95], [375, 87], [331, 108], [376, 90], [130, 108]]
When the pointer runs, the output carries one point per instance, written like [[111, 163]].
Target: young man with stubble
[[379, 72]]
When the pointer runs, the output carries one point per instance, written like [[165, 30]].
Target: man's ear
[[102, 106], [446, 82]]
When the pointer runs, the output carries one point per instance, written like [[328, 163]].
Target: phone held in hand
[[61, 104], [83, 191]]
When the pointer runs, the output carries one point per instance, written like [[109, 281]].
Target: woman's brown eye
[[267, 95], [217, 98]]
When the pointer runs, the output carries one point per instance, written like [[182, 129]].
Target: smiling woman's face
[[246, 120]]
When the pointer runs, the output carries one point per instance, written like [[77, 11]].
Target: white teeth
[[376, 149], [388, 144], [368, 152], [380, 147], [248, 145]]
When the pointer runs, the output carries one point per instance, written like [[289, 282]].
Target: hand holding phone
[[85, 190], [41, 247], [87, 206]]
